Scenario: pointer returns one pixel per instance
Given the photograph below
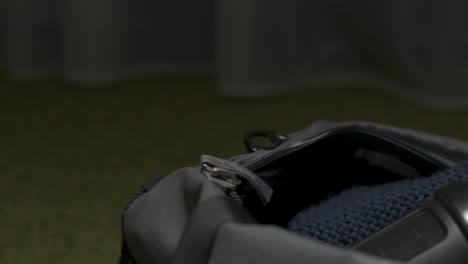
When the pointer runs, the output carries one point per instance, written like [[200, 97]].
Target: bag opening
[[329, 166]]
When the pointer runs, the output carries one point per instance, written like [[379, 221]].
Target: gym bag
[[352, 192]]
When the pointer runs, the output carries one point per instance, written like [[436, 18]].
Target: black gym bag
[[353, 192]]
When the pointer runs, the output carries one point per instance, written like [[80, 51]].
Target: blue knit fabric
[[353, 215]]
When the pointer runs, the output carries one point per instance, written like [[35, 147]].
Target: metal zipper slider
[[230, 175], [226, 179], [223, 177]]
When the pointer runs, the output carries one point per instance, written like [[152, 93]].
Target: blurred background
[[96, 96]]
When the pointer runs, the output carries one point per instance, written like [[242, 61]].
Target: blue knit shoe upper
[[355, 214]]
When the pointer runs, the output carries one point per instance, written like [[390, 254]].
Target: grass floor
[[71, 158]]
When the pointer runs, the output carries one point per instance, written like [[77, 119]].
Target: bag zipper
[[301, 143], [274, 154], [229, 175]]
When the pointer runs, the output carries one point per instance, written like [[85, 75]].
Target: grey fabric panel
[[154, 224], [252, 244]]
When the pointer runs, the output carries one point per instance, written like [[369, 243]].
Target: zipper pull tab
[[230, 175]]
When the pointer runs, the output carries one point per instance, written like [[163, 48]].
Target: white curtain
[[100, 42], [417, 48]]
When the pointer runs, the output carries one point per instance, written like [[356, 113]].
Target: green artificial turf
[[70, 158]]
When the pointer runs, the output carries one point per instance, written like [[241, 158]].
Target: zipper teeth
[[278, 153], [241, 172], [272, 155]]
